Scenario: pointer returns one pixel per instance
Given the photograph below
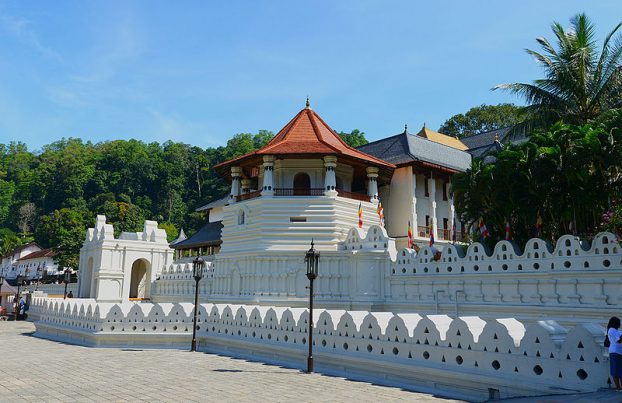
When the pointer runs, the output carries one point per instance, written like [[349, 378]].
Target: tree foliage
[[355, 138], [483, 118], [579, 83], [57, 192], [569, 174]]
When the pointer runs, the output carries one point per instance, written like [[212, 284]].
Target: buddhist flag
[[431, 234], [538, 224], [360, 215], [380, 212], [482, 229], [508, 234], [410, 236], [453, 229]]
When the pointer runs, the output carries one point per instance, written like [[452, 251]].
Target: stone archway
[[139, 279]]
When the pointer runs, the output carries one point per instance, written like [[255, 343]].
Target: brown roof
[[21, 248], [306, 135], [41, 253]]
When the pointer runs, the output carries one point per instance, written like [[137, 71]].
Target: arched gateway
[[117, 269]]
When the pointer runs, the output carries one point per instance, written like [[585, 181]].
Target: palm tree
[[579, 83]]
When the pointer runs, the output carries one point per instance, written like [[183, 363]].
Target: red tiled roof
[[41, 253], [307, 133]]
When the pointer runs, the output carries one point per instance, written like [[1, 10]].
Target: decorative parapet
[[103, 231], [468, 353]]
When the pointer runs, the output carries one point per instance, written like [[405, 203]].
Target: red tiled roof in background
[[40, 253], [307, 133]]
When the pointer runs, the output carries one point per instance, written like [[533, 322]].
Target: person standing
[[614, 342]]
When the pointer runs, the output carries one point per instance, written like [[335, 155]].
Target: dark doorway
[[302, 184]]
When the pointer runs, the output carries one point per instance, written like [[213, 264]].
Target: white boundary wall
[[570, 283], [463, 357]]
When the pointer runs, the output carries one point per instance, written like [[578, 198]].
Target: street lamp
[[67, 280], [312, 259], [197, 271]]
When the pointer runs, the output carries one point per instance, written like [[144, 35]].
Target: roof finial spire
[[308, 104], [497, 137], [405, 127], [424, 126]]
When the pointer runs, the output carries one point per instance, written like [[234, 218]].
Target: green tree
[[579, 83], [355, 138], [483, 118], [64, 231]]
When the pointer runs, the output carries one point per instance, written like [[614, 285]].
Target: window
[[444, 190], [445, 223], [427, 221], [426, 186], [241, 217]]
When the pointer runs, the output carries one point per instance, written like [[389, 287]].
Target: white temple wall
[[289, 224], [462, 357]]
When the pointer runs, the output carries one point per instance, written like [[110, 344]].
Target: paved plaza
[[37, 370]]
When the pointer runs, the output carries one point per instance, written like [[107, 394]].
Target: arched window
[[302, 184], [241, 217]]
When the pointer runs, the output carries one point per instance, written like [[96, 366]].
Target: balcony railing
[[299, 191], [352, 195], [246, 196], [423, 232], [443, 234]]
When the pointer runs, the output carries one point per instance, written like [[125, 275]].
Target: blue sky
[[199, 72]]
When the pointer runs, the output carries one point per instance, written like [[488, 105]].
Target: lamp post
[[197, 271], [67, 280], [312, 259]]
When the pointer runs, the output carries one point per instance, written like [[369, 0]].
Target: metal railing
[[299, 191]]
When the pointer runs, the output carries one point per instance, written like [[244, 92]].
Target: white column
[[330, 181], [413, 214], [452, 211], [268, 169], [372, 178], [432, 204], [236, 173]]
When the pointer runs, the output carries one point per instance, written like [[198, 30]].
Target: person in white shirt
[[614, 342]]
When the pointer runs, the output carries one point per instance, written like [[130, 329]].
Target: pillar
[[236, 173], [452, 211], [372, 178], [268, 170], [413, 214], [330, 180], [432, 204]]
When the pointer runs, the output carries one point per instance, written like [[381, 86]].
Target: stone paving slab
[[37, 370]]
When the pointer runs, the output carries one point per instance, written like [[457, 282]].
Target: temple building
[[419, 189]]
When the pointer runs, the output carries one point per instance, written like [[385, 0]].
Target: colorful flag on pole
[[508, 234], [431, 234], [410, 236], [360, 215], [454, 236], [483, 231], [380, 212], [538, 225]]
